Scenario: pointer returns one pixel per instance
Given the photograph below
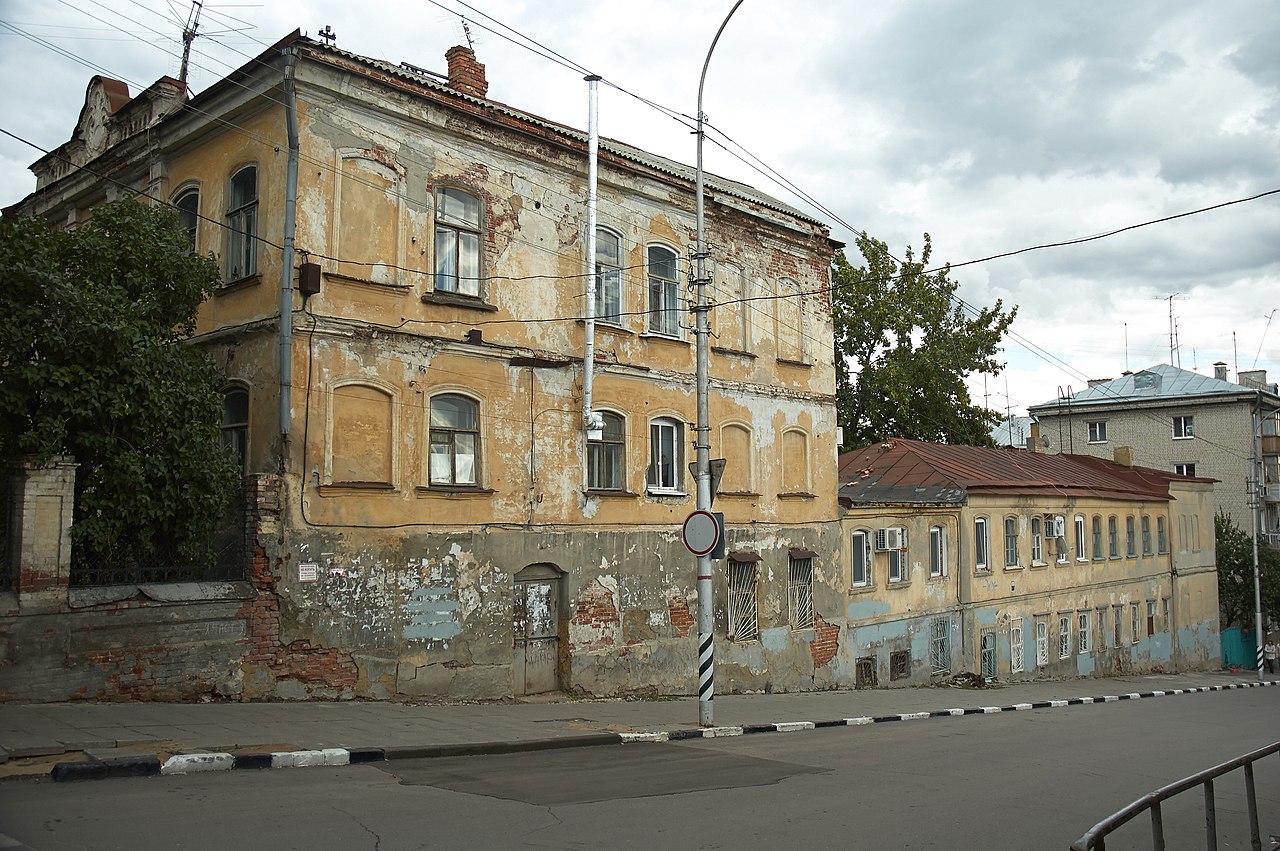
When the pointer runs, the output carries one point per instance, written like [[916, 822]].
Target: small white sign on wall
[[308, 571]]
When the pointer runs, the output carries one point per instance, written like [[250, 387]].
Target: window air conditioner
[[891, 538]]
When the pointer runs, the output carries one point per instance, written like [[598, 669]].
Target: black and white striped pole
[[706, 611]]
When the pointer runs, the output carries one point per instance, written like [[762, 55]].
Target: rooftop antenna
[[466, 31], [189, 32], [1263, 340], [1235, 352], [1126, 347], [328, 36]]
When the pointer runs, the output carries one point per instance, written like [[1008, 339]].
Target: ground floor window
[[800, 593], [743, 623], [940, 646], [1042, 643], [1015, 645]]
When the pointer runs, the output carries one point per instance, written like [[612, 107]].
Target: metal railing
[[1095, 838]]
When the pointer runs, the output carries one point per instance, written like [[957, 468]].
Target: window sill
[[737, 494], [799, 364], [1038, 565], [609, 327], [938, 577], [1097, 442], [367, 282], [664, 338], [1013, 567], [721, 350], [658, 493], [1186, 437], [355, 487], [239, 284], [862, 589], [797, 495], [982, 571], [1064, 563], [610, 494], [468, 302], [891, 585], [453, 490]]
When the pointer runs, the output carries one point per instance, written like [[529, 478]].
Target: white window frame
[[1082, 553], [937, 551], [1185, 469], [665, 477], [1059, 543], [663, 293], [898, 570], [466, 239], [1184, 427], [1097, 431], [860, 549], [1042, 642], [1084, 635], [446, 434], [1016, 659], [1037, 540], [1064, 636], [981, 544], [608, 269]]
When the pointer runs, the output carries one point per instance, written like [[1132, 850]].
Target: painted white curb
[[189, 763]]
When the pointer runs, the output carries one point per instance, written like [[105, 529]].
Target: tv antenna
[[189, 32]]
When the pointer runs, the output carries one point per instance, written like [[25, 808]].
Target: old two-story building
[[1016, 565], [1182, 421], [403, 327]]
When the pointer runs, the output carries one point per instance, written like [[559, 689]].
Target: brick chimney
[[465, 73], [1123, 456]]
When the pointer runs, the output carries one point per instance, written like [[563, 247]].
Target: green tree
[[1234, 551], [92, 364], [903, 348]]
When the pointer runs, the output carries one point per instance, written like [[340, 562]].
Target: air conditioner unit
[[891, 538], [1059, 526]]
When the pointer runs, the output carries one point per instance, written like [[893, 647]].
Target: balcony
[[1271, 444]]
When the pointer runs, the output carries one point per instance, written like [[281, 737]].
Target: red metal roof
[[901, 470]]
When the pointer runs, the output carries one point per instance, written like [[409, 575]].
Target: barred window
[[744, 624], [800, 593]]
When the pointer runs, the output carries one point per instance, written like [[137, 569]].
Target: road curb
[[213, 761]]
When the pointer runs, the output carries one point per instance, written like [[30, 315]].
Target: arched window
[[1011, 542], [455, 440], [1037, 539], [608, 276], [1097, 537], [664, 291], [861, 558], [235, 423], [1113, 537], [1130, 537], [1162, 535], [187, 203], [242, 224], [666, 455], [1082, 552], [1146, 535], [795, 461], [732, 310], [981, 545], [362, 439], [735, 445], [606, 457], [457, 241]]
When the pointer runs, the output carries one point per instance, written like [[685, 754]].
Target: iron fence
[[1095, 839], [223, 559]]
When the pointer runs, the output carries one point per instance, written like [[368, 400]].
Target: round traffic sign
[[701, 532]]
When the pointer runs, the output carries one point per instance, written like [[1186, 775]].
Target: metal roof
[[439, 83], [911, 471], [1155, 383]]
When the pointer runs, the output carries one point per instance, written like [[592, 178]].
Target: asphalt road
[[1024, 780]]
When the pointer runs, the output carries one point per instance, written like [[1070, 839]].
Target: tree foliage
[[1234, 550], [92, 364], [904, 346]]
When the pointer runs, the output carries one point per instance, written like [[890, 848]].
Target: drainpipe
[[592, 422], [286, 265], [1255, 474]]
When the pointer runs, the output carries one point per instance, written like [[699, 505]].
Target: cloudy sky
[[993, 126]]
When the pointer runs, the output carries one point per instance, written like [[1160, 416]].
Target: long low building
[[1019, 565]]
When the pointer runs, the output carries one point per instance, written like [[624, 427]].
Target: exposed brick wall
[[826, 641], [681, 619], [595, 624], [300, 660]]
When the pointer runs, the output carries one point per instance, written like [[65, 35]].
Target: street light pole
[[706, 611]]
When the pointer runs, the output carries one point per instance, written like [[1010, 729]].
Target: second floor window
[[1113, 537], [861, 574], [665, 449], [1011, 542], [605, 457], [235, 423], [1183, 427], [664, 291], [457, 242], [608, 276], [1097, 537], [937, 551], [242, 224], [980, 544], [1184, 469], [455, 440], [1037, 540], [1130, 538], [1098, 431], [188, 207]]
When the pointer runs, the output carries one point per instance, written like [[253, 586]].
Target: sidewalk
[[141, 738]]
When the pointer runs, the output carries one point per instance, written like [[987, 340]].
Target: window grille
[[1064, 636], [988, 649], [940, 646], [800, 593], [1015, 645], [1042, 643], [864, 673], [899, 664], [743, 623], [1084, 636]]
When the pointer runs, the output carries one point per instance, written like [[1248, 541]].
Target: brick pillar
[[42, 504]]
